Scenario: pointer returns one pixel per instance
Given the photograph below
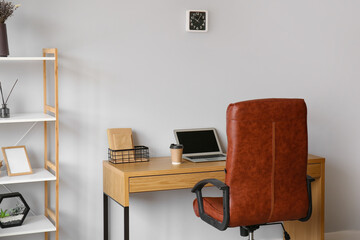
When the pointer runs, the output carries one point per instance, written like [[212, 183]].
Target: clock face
[[197, 21]]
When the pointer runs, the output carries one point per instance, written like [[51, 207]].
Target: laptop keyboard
[[207, 156]]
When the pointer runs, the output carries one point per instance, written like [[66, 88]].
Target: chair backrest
[[267, 161]]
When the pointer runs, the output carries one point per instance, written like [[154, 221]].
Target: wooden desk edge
[[119, 191], [315, 159]]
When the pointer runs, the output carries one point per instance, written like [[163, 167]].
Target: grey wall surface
[[130, 63]]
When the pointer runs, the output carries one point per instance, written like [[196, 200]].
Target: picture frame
[[16, 160]]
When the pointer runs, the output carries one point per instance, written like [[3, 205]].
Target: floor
[[343, 235]]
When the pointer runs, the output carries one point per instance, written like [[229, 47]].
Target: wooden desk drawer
[[314, 170], [170, 182], [188, 180]]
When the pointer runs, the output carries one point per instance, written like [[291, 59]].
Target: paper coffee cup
[[176, 153]]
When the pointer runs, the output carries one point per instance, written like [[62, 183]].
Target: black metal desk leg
[[126, 223], [106, 219]]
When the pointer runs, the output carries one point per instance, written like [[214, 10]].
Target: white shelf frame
[[38, 175], [6, 59], [28, 117], [32, 224]]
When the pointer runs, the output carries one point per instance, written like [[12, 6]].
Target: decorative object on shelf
[[1, 164], [197, 21], [5, 111], [6, 11], [136, 154], [13, 210], [17, 160], [4, 46]]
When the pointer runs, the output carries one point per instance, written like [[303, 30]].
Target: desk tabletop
[[163, 165]]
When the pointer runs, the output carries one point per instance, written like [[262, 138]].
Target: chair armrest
[[217, 183], [226, 213], [309, 180]]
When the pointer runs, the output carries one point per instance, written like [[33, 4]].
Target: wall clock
[[197, 21]]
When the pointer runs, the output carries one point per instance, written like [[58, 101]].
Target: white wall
[[130, 63]]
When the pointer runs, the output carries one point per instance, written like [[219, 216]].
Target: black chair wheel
[[244, 232]]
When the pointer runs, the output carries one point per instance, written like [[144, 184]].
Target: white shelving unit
[[49, 221], [32, 224], [28, 117], [38, 175], [27, 58]]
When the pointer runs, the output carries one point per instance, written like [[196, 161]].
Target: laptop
[[200, 145]]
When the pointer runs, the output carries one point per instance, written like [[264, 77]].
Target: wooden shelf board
[[32, 224], [28, 117], [27, 58], [38, 175]]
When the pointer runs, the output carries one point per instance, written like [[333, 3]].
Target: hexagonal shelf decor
[[13, 210]]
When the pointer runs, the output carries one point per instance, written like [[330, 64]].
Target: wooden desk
[[119, 180]]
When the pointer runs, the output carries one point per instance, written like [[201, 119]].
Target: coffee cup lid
[[176, 146]]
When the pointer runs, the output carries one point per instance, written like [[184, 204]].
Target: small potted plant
[[6, 10], [9, 217], [13, 210], [3, 213]]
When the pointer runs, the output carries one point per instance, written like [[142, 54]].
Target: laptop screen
[[198, 141]]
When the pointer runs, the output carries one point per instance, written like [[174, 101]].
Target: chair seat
[[213, 206]]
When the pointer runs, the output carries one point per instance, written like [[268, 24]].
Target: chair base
[[248, 231], [251, 236]]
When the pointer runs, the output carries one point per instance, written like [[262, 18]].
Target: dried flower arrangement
[[6, 10]]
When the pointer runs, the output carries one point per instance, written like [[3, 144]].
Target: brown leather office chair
[[266, 166]]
